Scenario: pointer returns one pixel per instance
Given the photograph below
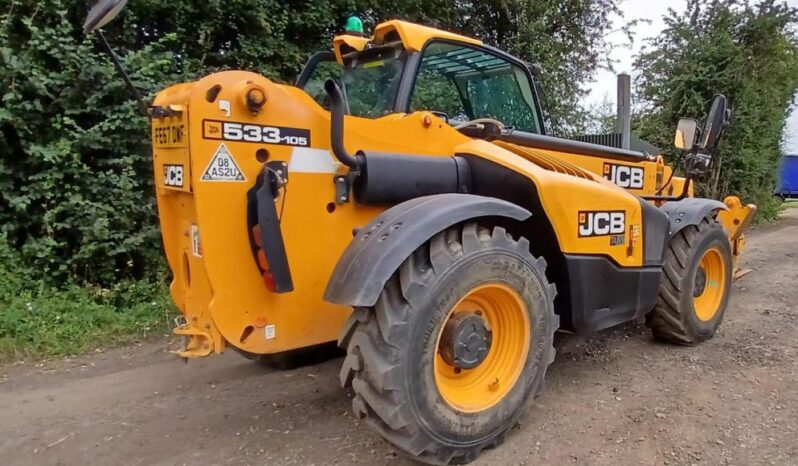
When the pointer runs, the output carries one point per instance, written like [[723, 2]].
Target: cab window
[[370, 80], [467, 83], [318, 72]]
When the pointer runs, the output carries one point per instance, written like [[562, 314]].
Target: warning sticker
[[223, 167]]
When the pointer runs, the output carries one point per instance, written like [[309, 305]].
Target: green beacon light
[[354, 26]]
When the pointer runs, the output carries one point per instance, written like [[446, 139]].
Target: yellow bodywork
[[217, 285], [413, 37]]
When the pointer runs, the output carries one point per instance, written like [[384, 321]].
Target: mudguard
[[378, 249], [689, 211]]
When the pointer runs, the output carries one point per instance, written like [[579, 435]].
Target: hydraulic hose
[[337, 111]]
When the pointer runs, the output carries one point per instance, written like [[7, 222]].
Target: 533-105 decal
[[258, 134]]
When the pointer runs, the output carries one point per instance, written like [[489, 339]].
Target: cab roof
[[412, 36]]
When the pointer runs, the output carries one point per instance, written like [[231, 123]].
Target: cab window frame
[[310, 67]]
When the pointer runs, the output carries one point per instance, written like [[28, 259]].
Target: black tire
[[389, 346], [674, 317]]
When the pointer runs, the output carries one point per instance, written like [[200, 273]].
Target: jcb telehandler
[[403, 197]]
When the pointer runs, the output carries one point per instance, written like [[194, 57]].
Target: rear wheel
[[695, 285], [458, 343]]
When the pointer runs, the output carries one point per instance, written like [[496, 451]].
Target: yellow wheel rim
[[710, 285], [505, 316]]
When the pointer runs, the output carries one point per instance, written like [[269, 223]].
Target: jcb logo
[[173, 176], [625, 176], [601, 223]]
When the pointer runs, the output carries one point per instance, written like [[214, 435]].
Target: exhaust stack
[[624, 124]]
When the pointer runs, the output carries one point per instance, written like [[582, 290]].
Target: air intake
[[546, 161]]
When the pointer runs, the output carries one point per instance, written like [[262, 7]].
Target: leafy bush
[[75, 183], [749, 52], [76, 193]]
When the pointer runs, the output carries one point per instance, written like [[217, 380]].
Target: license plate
[[169, 132]]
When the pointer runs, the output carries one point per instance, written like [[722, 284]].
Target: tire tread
[[669, 320], [374, 377]]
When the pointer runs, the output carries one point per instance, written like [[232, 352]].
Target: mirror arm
[[121, 70]]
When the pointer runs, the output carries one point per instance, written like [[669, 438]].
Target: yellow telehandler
[[403, 198]]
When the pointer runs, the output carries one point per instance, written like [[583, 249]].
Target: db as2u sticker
[[245, 132], [223, 167]]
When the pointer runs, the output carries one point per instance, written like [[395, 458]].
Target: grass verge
[[39, 320]]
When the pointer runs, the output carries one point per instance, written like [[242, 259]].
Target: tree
[[603, 117], [747, 51], [76, 189]]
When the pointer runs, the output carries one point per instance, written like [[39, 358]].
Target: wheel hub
[[700, 282], [465, 341]]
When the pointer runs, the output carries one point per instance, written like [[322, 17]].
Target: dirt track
[[618, 398]]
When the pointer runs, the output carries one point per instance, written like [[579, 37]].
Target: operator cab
[[482, 92], [462, 81]]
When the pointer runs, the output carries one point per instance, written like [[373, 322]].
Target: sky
[[606, 82]]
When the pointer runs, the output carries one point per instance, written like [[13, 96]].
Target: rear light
[[256, 237], [265, 236], [263, 264], [268, 280]]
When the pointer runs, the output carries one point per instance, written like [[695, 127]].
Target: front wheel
[[695, 285], [456, 346]]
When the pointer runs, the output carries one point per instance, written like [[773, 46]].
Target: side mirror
[[686, 134], [716, 123], [102, 13]]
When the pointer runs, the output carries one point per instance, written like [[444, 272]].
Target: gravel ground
[[616, 398]]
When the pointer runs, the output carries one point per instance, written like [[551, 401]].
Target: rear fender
[[378, 249]]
